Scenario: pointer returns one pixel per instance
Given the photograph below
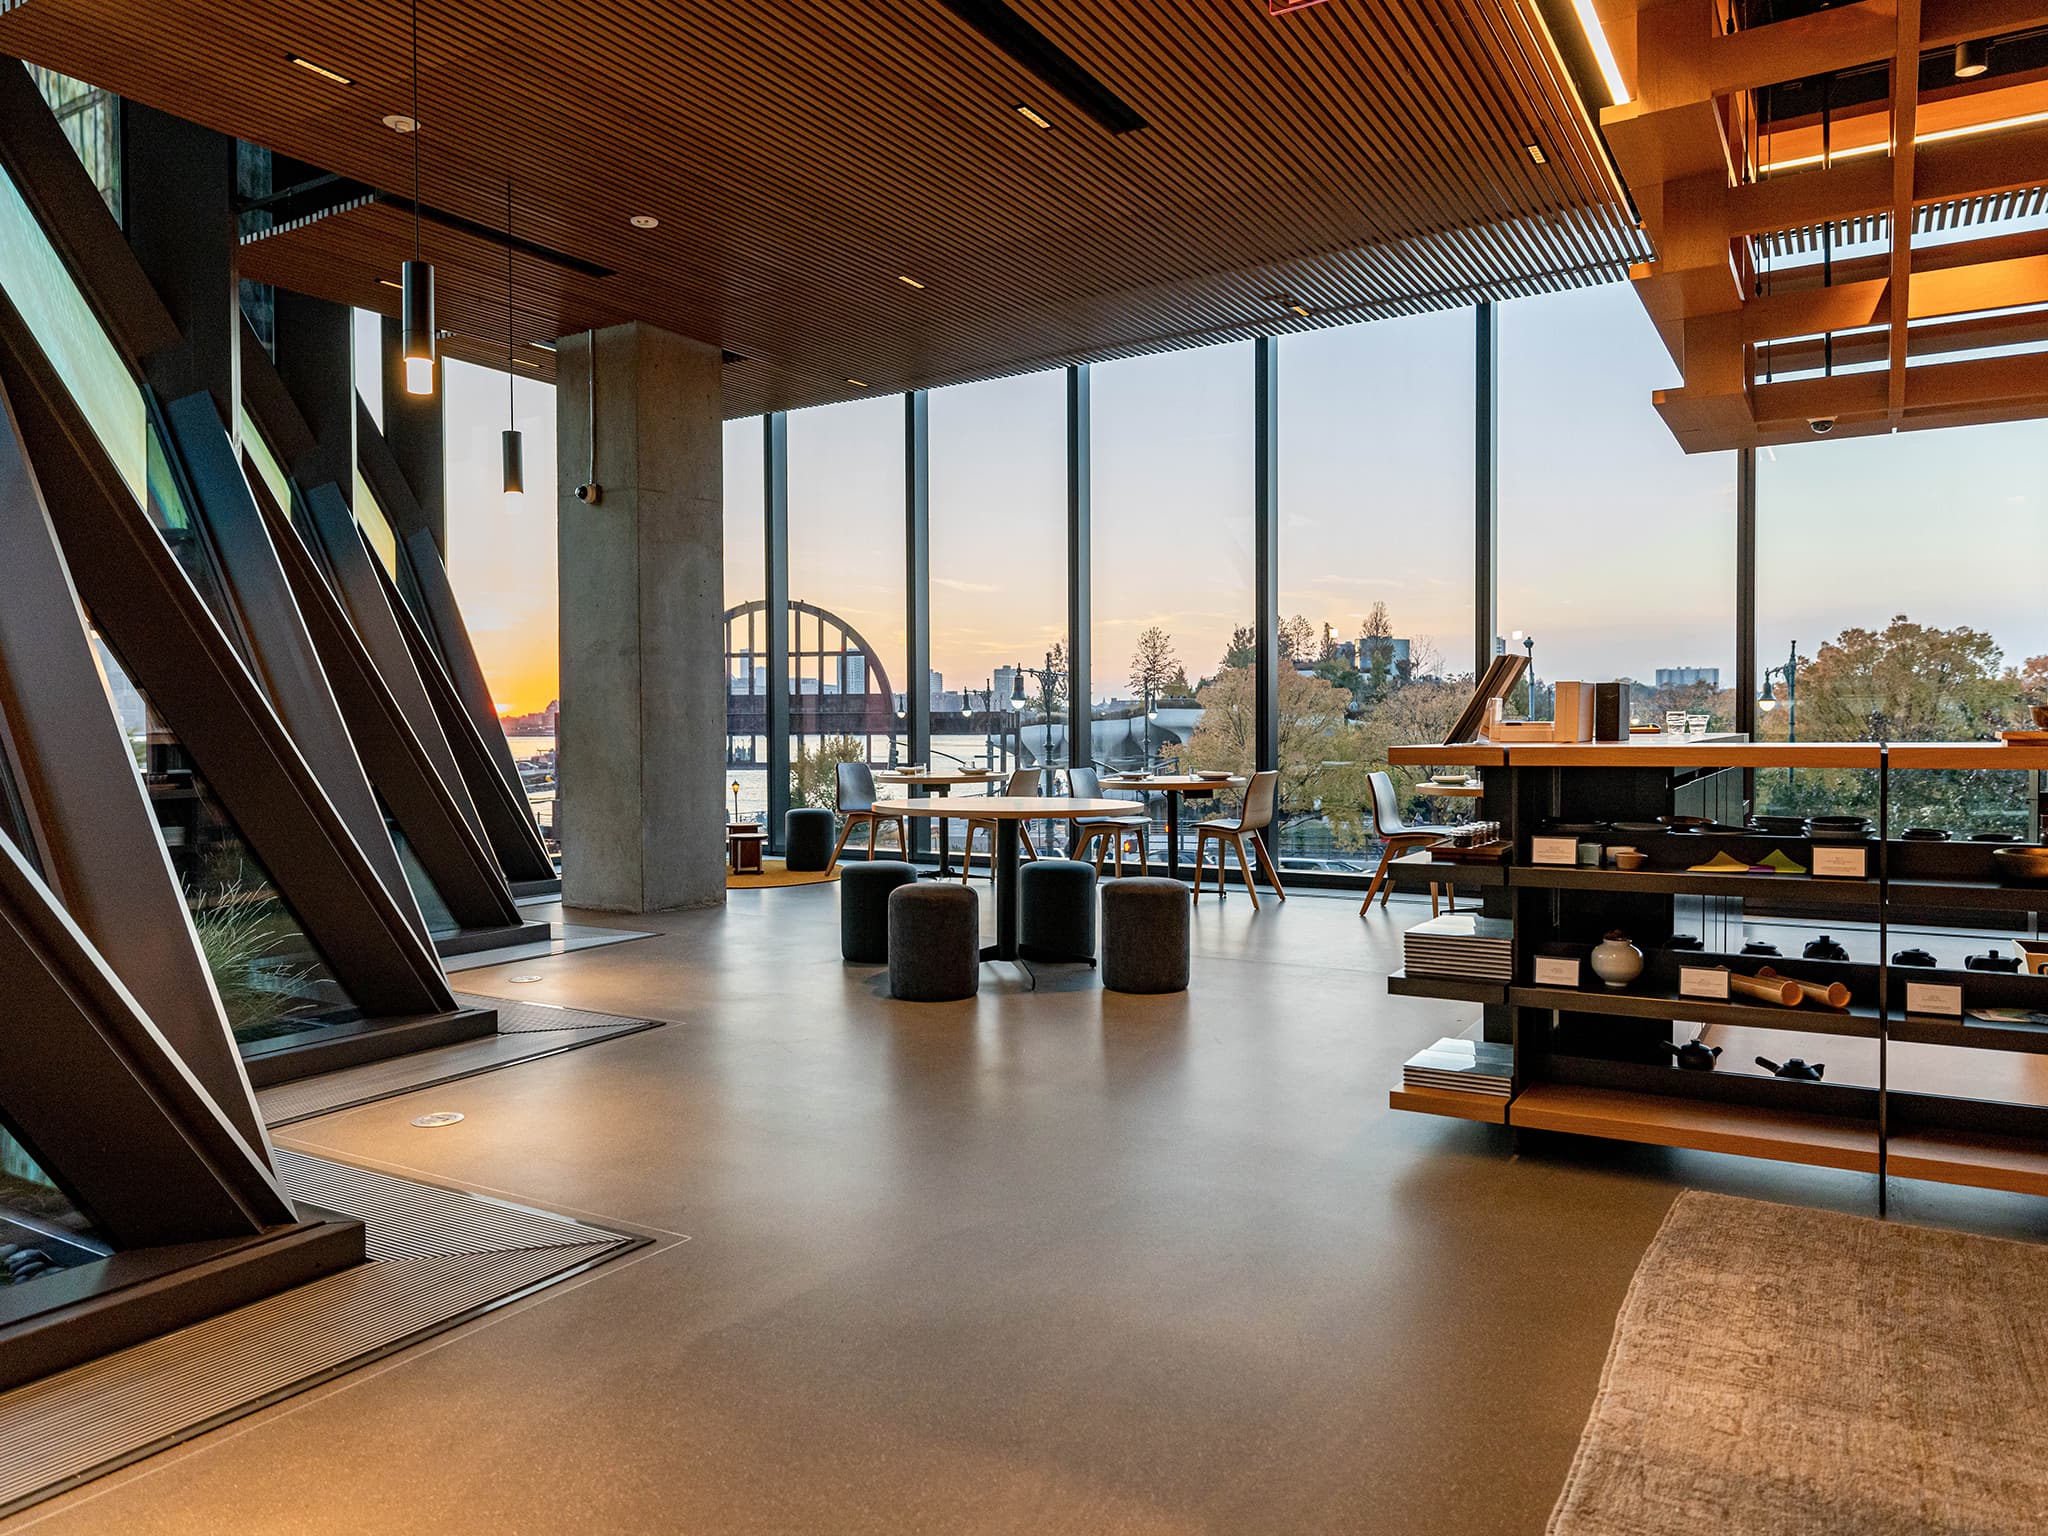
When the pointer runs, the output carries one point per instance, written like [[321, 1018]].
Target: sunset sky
[[1617, 550]]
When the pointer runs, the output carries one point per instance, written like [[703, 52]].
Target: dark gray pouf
[[864, 889], [1056, 915], [807, 841], [1144, 935], [934, 942]]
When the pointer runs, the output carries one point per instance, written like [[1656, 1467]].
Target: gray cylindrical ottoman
[[934, 942], [1144, 935], [1056, 916], [807, 840], [864, 889]]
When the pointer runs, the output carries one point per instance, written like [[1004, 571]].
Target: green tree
[[1376, 650], [1299, 641], [814, 771], [1154, 670], [1243, 650], [1314, 732]]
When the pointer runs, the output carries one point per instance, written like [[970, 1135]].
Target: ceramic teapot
[[1695, 1055], [1758, 947], [1794, 1069], [1824, 948], [1914, 957], [1991, 960]]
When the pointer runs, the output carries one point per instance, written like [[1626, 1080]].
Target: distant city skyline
[[1616, 549]]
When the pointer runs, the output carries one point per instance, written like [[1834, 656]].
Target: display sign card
[[1841, 863], [1557, 970], [1553, 850], [1710, 981], [1934, 997]]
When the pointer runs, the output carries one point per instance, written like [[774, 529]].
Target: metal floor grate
[[526, 1032], [439, 1257]]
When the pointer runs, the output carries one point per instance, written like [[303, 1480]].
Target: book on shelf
[[1458, 1065], [1461, 944]]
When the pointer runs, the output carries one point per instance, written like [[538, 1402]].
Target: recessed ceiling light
[[526, 362], [386, 282], [398, 122], [1034, 118], [320, 70], [1536, 154], [1298, 308], [910, 280], [644, 221], [858, 383], [1972, 58]]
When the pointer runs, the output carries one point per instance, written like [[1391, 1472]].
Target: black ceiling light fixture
[[515, 448], [416, 277], [1973, 57]]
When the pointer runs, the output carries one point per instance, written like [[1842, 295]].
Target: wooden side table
[[743, 844]]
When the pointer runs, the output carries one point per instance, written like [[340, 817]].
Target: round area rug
[[773, 873]]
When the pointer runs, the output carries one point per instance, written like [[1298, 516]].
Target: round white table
[[939, 781]]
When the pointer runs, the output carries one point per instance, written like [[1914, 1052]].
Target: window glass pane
[[746, 636], [376, 526], [41, 1232], [1617, 550], [1898, 581], [502, 563], [999, 578], [273, 982], [1172, 563], [369, 363], [845, 591], [91, 120], [1376, 519], [70, 336], [271, 472]]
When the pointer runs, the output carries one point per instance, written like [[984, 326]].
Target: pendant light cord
[[511, 408], [415, 130]]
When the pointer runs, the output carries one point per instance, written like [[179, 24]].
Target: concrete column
[[177, 199], [642, 734], [316, 360]]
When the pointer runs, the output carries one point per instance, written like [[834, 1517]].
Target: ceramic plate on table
[[1641, 828], [1925, 835], [1212, 775], [1683, 823]]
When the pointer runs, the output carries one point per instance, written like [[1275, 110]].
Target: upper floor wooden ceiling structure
[[1777, 149], [1208, 171]]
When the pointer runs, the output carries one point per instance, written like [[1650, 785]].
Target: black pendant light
[[416, 277], [515, 456], [1972, 58]]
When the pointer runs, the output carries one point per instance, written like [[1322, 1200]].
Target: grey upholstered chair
[[1023, 781], [856, 802], [1261, 799], [1107, 834], [1400, 838], [1145, 938], [934, 942]]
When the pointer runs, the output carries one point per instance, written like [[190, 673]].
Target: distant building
[[937, 690], [1005, 686], [1688, 677]]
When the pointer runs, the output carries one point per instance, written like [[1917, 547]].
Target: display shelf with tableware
[[1815, 988]]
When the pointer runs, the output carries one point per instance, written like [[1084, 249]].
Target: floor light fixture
[[416, 277]]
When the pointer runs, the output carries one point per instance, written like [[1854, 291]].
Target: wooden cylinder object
[[1833, 994], [1777, 990]]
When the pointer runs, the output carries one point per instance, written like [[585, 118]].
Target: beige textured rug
[[1779, 1370]]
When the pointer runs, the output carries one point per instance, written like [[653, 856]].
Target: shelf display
[[1639, 1053]]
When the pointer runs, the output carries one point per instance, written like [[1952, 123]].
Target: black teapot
[[1758, 947], [1684, 941], [1695, 1055], [1824, 948], [1913, 957], [1794, 1069], [1991, 960]]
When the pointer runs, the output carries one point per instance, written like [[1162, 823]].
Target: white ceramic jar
[[1616, 961]]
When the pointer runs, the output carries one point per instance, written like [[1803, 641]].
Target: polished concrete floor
[[1063, 1262]]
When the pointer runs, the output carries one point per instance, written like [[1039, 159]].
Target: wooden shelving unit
[[1450, 989], [1586, 1059]]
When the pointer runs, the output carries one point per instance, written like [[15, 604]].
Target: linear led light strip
[[1932, 136], [1596, 39]]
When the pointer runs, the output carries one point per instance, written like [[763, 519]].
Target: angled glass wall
[[91, 120], [846, 602], [1376, 532]]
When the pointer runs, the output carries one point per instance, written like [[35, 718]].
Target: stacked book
[[1462, 1066], [1461, 944]]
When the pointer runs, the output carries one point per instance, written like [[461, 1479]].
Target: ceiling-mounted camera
[[590, 492], [1820, 426]]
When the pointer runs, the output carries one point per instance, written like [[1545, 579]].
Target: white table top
[[1006, 808]]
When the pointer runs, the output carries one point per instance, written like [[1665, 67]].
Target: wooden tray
[[2024, 738]]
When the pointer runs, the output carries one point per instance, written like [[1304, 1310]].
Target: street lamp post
[[1768, 701], [1529, 650]]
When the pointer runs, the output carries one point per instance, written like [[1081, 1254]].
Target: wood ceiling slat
[[1364, 155]]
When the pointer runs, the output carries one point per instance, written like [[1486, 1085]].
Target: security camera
[[1821, 426], [592, 493]]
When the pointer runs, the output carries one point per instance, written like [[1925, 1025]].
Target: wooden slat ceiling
[[1365, 157]]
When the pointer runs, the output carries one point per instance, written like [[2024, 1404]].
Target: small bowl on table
[[1630, 859], [2022, 864]]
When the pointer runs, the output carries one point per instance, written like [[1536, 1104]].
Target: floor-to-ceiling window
[[91, 120], [1376, 529], [1898, 598], [1174, 605], [746, 622], [846, 593], [1617, 549], [501, 561]]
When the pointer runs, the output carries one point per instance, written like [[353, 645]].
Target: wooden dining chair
[[1400, 838], [854, 798], [1023, 781], [1260, 800], [1108, 834]]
